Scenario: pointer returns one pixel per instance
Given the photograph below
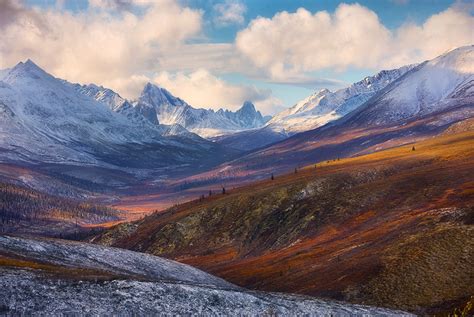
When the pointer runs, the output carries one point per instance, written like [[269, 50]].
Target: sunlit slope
[[393, 228]]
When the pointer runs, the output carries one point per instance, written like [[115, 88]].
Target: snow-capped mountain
[[325, 106], [421, 103], [139, 113], [314, 111], [394, 96], [118, 104], [158, 106], [204, 122], [431, 87], [47, 119]]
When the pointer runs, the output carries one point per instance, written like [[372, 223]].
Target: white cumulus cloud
[[289, 44], [100, 46]]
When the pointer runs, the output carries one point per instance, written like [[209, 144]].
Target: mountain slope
[[325, 106], [380, 229], [420, 104], [27, 211], [433, 86], [139, 113], [118, 104], [314, 111], [55, 277], [206, 123], [44, 119]]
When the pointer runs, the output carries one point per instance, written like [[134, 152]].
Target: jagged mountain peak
[[323, 91], [247, 106], [155, 90], [205, 122], [27, 69], [28, 64], [247, 116], [156, 96]]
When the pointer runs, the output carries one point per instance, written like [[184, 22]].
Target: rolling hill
[[392, 228]]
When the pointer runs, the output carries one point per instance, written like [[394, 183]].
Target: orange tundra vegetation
[[392, 228]]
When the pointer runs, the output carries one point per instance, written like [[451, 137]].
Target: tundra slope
[[393, 228], [59, 277]]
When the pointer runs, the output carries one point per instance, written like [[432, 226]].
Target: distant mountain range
[[422, 102], [314, 111], [48, 120], [325, 106], [158, 106], [45, 120]]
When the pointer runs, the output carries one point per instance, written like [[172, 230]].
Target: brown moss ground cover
[[393, 228]]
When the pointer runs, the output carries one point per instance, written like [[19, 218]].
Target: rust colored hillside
[[393, 228]]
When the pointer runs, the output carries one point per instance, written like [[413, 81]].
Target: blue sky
[[391, 13], [244, 67]]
